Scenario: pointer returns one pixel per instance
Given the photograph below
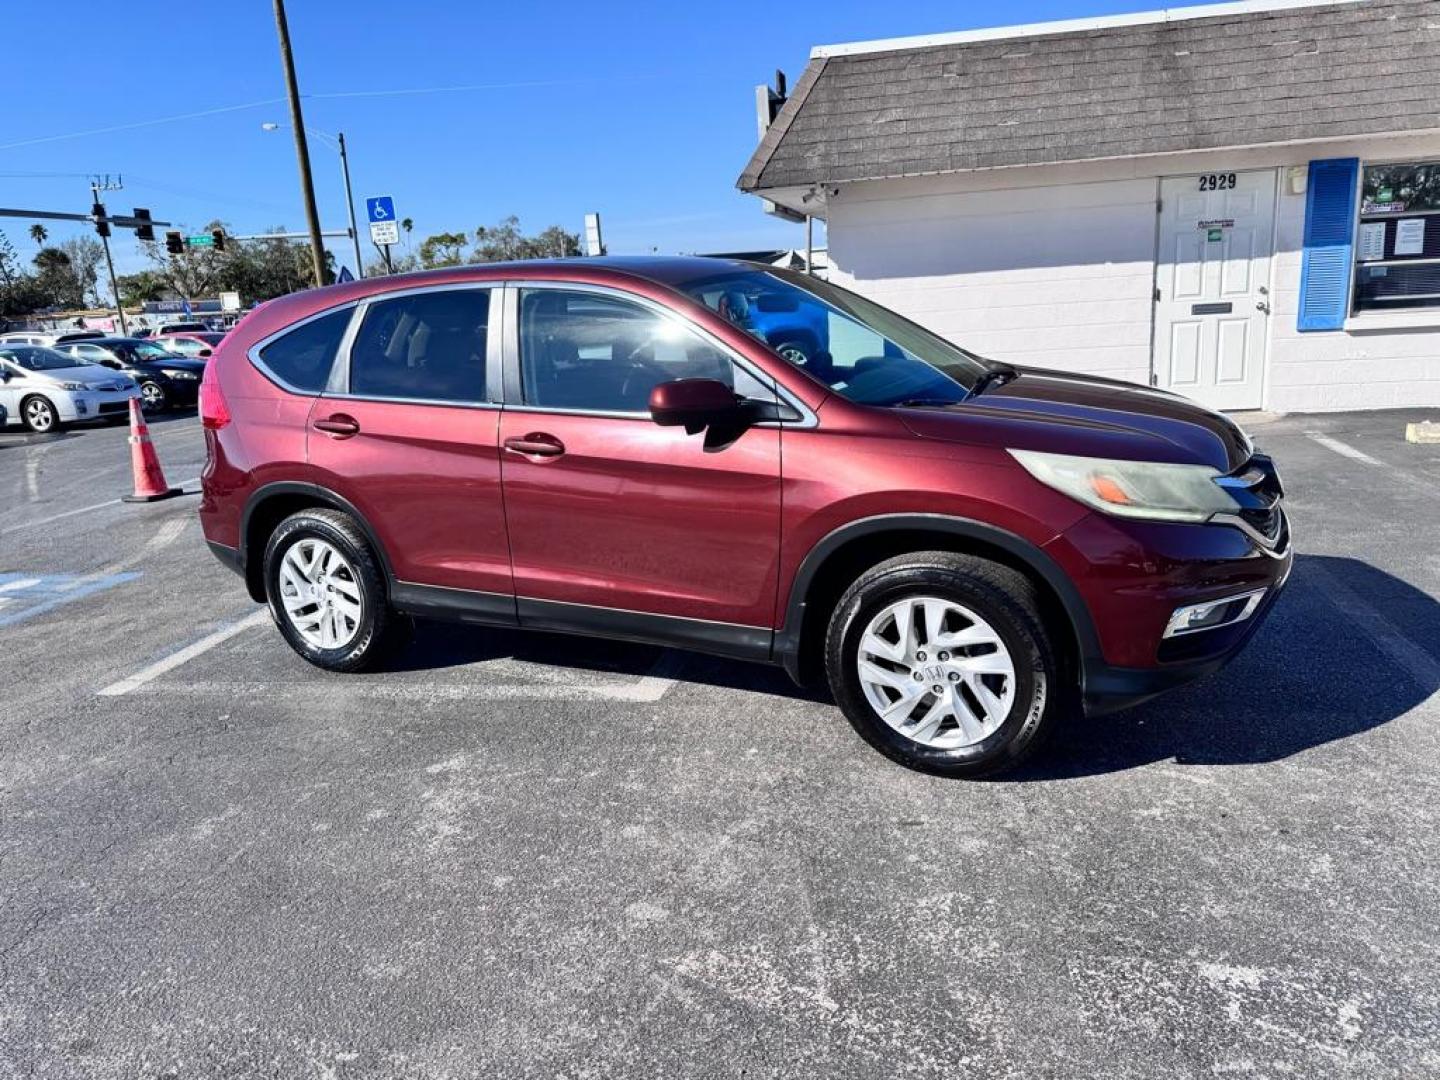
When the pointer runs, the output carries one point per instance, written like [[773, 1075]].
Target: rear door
[[407, 432], [618, 525]]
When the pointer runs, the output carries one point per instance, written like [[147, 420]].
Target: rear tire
[[952, 648], [326, 590]]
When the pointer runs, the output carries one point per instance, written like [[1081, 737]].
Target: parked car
[[181, 328], [47, 337], [971, 553], [196, 344], [45, 389], [167, 381]]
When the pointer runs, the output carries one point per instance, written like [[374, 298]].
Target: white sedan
[[44, 389]]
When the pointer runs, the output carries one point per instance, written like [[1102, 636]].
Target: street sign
[[384, 233], [380, 208], [200, 241]]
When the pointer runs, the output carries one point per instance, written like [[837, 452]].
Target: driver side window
[[598, 353]]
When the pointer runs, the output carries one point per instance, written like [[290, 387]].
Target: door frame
[[1269, 277]]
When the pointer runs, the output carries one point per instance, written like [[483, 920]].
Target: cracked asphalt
[[535, 856]]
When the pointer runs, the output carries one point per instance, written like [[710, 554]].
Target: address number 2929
[[1217, 181]]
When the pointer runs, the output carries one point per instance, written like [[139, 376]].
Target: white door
[[1212, 301]]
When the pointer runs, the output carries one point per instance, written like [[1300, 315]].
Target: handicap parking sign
[[380, 208]]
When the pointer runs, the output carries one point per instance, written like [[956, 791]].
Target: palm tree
[[39, 234], [407, 224]]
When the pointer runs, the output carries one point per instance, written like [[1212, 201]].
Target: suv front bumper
[[1134, 576]]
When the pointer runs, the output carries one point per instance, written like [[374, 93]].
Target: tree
[[39, 234], [85, 253], [443, 249], [264, 269], [135, 289], [505, 241], [55, 278]]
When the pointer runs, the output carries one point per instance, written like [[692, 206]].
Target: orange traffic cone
[[150, 483]]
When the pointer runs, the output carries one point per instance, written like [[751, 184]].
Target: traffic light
[[218, 235], [102, 222], [174, 244], [145, 231]]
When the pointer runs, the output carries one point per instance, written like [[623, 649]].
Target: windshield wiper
[[926, 403], [996, 375]]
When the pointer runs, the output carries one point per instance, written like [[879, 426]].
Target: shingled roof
[[1164, 84]]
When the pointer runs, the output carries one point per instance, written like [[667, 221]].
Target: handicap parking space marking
[[27, 595]]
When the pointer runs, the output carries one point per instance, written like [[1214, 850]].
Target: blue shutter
[[1329, 244]]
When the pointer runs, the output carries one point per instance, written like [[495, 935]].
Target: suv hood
[[1062, 413]]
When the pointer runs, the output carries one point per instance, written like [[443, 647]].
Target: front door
[[617, 524], [1212, 303]]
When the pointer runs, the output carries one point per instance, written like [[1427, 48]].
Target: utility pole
[[302, 150], [102, 226], [350, 205]]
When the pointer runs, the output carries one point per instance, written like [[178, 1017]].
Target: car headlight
[[182, 375], [1134, 489], [73, 386]]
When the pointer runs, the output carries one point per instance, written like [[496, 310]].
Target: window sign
[[1410, 236]]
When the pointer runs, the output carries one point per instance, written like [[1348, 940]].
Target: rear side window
[[303, 357], [426, 347]]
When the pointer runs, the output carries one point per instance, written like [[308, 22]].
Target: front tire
[[153, 398], [943, 663], [40, 415], [326, 591]]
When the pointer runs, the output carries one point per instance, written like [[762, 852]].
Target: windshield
[[145, 350], [38, 358], [859, 349]]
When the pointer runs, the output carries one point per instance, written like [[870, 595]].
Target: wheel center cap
[[932, 673]]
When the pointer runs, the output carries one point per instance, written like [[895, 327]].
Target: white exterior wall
[[1054, 266]]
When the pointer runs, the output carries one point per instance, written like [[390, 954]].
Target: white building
[[1239, 202]]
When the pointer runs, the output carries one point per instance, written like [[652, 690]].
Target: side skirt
[[497, 609]]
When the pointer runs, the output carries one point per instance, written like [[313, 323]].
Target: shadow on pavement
[[1312, 675]]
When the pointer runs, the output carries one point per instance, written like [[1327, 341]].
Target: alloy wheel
[[39, 414], [152, 397], [936, 672], [320, 593]]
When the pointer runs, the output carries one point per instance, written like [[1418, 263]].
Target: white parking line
[[1344, 449], [1411, 658], [647, 690], [79, 510], [185, 655]]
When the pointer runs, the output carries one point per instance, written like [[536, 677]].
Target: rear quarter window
[[302, 357]]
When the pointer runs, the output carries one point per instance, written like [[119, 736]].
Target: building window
[[1397, 247]]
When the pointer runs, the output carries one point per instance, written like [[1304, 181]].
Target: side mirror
[[694, 404], [204, 353]]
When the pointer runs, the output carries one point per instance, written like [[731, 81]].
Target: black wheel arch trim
[[788, 637], [322, 494]]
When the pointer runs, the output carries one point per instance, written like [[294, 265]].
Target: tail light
[[214, 412]]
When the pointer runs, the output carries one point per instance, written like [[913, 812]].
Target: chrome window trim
[[253, 352], [808, 419], [338, 388]]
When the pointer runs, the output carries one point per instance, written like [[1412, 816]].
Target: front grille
[[1257, 488], [113, 407]]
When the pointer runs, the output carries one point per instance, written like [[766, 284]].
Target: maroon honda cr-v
[[969, 552]]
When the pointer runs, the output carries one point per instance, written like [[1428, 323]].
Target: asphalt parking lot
[[540, 856]]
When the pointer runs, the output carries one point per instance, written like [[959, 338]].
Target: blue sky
[[642, 110]]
